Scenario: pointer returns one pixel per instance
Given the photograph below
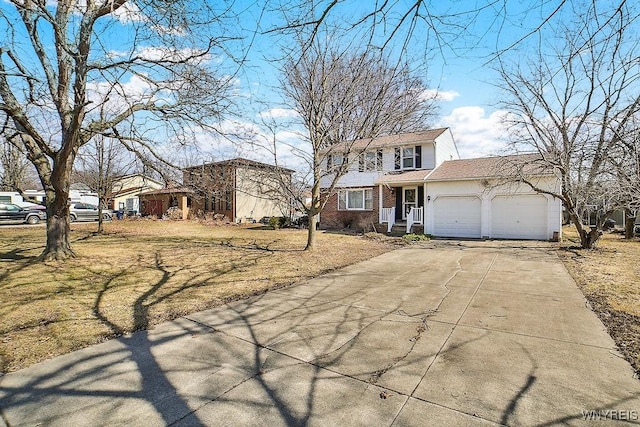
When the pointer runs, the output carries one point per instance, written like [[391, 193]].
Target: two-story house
[[418, 179], [241, 189]]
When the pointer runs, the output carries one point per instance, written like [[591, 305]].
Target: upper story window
[[408, 158], [370, 161], [335, 162]]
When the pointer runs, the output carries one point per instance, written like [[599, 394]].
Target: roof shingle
[[403, 177], [490, 167], [390, 140]]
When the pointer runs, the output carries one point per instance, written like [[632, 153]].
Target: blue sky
[[469, 34], [457, 60]]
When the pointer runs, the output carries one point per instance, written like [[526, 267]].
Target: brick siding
[[332, 218]]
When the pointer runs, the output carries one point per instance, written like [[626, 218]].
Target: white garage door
[[456, 216], [519, 217]]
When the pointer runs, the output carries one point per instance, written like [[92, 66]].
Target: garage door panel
[[519, 217], [456, 216]]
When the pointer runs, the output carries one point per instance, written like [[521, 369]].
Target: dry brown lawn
[[141, 273], [609, 277]]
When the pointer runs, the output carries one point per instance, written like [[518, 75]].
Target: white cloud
[[129, 12], [476, 134], [446, 95], [279, 113], [172, 54], [113, 98]]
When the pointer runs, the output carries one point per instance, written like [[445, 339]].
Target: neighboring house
[[240, 189], [126, 190], [158, 202], [418, 180]]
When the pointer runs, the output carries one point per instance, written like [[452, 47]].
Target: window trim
[[400, 157], [336, 161], [343, 199], [374, 164], [405, 157]]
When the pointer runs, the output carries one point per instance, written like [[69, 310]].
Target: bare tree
[[624, 172], [15, 170], [571, 104], [341, 95], [443, 27], [139, 72], [98, 165]]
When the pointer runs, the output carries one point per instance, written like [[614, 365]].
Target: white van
[[15, 198]]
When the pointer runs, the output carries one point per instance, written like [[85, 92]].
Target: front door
[[409, 200]]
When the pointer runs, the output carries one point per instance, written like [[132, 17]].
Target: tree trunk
[[629, 224], [58, 247], [588, 238], [100, 204], [311, 233], [316, 207]]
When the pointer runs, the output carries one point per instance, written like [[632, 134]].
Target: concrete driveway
[[449, 333]]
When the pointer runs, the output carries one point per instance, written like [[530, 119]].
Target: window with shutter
[[408, 158], [370, 161], [397, 160]]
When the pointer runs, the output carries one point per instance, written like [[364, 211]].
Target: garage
[[519, 217], [457, 216]]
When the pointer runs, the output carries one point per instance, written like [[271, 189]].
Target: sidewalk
[[449, 333]]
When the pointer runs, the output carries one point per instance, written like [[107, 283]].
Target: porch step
[[400, 229]]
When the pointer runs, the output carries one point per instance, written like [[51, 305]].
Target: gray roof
[[399, 177], [390, 140], [490, 167], [242, 162]]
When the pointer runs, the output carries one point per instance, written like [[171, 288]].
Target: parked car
[[11, 212], [87, 212], [608, 224]]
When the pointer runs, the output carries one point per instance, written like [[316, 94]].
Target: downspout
[[380, 204], [424, 209]]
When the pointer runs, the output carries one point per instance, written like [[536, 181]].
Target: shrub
[[348, 219], [416, 237], [173, 213], [274, 222], [302, 222], [279, 222]]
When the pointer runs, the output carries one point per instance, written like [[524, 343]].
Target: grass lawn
[[609, 277], [141, 273]]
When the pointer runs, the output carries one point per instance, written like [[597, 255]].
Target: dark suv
[[11, 212]]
